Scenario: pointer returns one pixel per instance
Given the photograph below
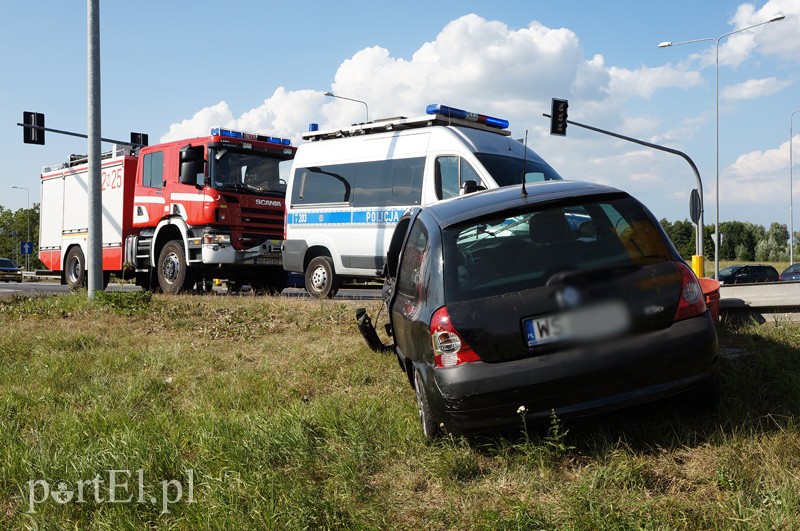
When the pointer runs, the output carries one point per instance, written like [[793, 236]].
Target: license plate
[[548, 329], [267, 260], [584, 324]]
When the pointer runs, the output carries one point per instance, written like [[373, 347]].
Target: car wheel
[[429, 424], [173, 277], [75, 269], [321, 279]]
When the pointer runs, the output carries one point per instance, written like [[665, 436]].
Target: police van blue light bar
[[218, 131], [452, 112]]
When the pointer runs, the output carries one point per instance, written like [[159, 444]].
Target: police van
[[348, 187]]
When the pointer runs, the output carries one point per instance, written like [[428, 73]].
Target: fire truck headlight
[[217, 238]]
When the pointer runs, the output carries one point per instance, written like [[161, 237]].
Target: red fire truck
[[174, 214]]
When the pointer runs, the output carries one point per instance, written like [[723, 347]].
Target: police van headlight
[[216, 238]]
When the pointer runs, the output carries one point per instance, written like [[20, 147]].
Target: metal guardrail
[[764, 302]]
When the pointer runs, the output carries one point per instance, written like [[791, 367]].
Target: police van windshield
[[508, 170], [247, 172]]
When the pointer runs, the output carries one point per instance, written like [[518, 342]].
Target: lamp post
[[332, 95], [791, 199], [28, 195], [716, 143]]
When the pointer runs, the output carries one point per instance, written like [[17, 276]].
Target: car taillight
[[691, 301], [449, 348]]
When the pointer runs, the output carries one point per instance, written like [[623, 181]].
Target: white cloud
[[644, 81], [754, 88], [777, 39], [760, 176], [755, 163], [473, 63], [200, 124]]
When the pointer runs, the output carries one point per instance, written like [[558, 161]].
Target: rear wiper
[[583, 276]]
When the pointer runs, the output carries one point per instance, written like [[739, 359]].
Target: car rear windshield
[[519, 250]]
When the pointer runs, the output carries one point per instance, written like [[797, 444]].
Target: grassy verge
[[276, 416]]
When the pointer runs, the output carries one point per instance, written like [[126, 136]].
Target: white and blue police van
[[348, 187]]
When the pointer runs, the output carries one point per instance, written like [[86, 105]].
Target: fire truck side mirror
[[191, 165]]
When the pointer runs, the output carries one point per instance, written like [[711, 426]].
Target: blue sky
[[176, 68]]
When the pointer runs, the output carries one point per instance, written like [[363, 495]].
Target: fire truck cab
[[174, 214]]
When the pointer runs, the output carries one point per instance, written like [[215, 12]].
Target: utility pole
[[94, 259]]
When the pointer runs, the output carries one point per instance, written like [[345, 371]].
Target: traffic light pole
[[80, 135], [698, 267]]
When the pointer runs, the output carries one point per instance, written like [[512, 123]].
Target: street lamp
[[332, 95], [28, 195], [791, 199], [716, 144]]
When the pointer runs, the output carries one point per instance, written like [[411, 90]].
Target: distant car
[[747, 274], [791, 273], [570, 298], [9, 271]]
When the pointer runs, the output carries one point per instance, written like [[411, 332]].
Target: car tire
[[430, 425], [322, 281], [173, 275], [75, 269]]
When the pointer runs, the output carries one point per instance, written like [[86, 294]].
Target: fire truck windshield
[[246, 172]]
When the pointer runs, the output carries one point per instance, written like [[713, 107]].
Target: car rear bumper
[[577, 381]]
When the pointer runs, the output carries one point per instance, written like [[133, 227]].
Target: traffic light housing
[[558, 117], [30, 133], [139, 139]]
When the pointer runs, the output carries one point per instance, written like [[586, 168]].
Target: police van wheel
[[321, 279], [75, 269]]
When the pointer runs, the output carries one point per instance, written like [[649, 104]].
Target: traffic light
[[31, 120], [139, 139], [558, 117]]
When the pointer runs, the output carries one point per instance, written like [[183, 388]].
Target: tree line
[[14, 230], [741, 241]]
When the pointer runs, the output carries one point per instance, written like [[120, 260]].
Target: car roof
[[477, 204]]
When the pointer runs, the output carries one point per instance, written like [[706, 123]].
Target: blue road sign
[[25, 247]]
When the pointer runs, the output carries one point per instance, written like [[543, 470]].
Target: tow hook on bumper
[[369, 333]]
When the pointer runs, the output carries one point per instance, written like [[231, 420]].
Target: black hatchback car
[[564, 297], [748, 274]]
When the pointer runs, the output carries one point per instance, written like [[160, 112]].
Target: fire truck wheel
[[173, 276], [321, 279], [75, 269]]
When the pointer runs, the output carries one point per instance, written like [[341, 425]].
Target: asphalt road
[[49, 287]]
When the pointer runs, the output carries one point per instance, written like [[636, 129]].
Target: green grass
[[287, 421]]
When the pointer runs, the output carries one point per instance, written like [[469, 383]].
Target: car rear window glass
[[524, 249]]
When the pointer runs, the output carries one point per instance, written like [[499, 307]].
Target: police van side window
[[451, 173], [153, 170], [389, 183], [327, 184], [364, 184]]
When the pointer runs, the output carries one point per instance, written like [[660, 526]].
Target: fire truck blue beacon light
[[452, 112], [218, 131]]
